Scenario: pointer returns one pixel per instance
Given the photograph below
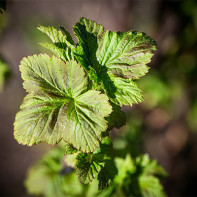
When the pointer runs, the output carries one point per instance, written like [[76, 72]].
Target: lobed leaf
[[99, 164], [150, 186], [107, 174], [62, 44], [59, 105], [150, 166], [124, 54], [105, 56], [121, 91], [87, 168], [115, 56]]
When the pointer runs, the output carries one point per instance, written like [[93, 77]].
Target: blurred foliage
[[3, 22], [137, 178], [158, 92], [174, 78], [4, 73], [2, 6], [52, 176], [47, 177]]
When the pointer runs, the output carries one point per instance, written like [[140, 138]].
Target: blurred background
[[164, 125]]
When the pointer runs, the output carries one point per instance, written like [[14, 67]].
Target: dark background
[[165, 125]]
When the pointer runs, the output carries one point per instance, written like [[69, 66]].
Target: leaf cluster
[[136, 177], [53, 176], [76, 95]]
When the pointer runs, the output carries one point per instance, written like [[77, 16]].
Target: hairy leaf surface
[[59, 105]]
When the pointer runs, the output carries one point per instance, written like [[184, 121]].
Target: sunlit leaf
[[62, 44], [59, 105], [115, 55]]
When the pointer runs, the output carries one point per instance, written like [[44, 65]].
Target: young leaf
[[107, 174], [121, 91], [98, 164], [70, 149], [87, 168], [125, 54], [133, 179], [51, 75], [59, 105], [117, 54], [148, 180], [150, 186], [105, 146], [62, 44], [150, 166]]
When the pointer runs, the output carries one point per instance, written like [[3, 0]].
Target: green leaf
[[62, 44], [99, 164], [149, 171], [70, 149], [87, 168], [107, 174], [124, 54], [105, 146], [150, 187], [87, 32], [124, 166], [121, 91], [90, 166], [58, 51], [51, 75], [81, 57], [115, 56], [150, 166], [137, 177], [59, 105]]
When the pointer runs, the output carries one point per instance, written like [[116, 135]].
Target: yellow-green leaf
[[59, 106]]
